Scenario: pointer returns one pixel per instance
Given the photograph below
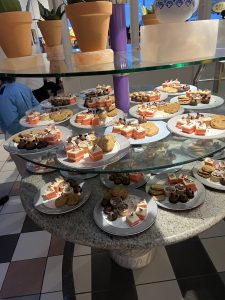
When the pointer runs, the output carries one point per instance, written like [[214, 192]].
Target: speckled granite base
[[79, 227]]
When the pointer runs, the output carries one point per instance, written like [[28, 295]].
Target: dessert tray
[[88, 119], [98, 91], [93, 151], [44, 118], [134, 180], [60, 101], [60, 196], [38, 140], [147, 96], [156, 110], [139, 133], [175, 87], [95, 102], [198, 100], [198, 126], [211, 173], [176, 191], [125, 212]]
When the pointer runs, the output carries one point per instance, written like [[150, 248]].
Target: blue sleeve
[[34, 100], [8, 111]]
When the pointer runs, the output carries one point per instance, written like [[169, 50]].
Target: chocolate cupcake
[[190, 194], [112, 216], [193, 102], [107, 209], [123, 209], [21, 145], [180, 188], [118, 180], [30, 146], [222, 181], [126, 180], [205, 100], [105, 203], [173, 198], [183, 198], [116, 202], [42, 144]]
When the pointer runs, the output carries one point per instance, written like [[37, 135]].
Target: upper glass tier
[[129, 61]]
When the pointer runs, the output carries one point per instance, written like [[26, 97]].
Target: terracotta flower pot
[[51, 31], [90, 22], [149, 19], [15, 33]]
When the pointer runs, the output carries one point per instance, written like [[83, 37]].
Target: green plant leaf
[[10, 5], [28, 5]]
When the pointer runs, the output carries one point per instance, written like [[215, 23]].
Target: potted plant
[[148, 16], [15, 32], [51, 27], [90, 22]]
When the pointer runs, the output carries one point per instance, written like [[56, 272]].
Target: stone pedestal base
[[55, 53], [21, 63], [93, 58], [133, 259]]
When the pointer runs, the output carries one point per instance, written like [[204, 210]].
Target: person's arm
[[34, 100], [9, 115]]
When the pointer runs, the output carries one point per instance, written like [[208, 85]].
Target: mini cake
[[180, 123], [49, 194], [200, 129], [68, 147], [136, 177], [188, 128], [87, 120], [217, 175], [183, 100], [127, 131], [95, 153], [79, 118], [75, 154], [189, 184], [108, 102], [84, 145], [142, 204], [139, 133], [141, 213], [149, 112], [117, 127], [34, 120], [96, 121], [100, 102], [209, 161], [172, 178], [132, 220]]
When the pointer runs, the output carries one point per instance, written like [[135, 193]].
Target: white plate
[[83, 93], [214, 102], [80, 102], [11, 147], [48, 207], [24, 123], [159, 115], [119, 227], [192, 203], [163, 97], [107, 122], [77, 176], [47, 104], [192, 88], [120, 149], [32, 169], [206, 181], [110, 184], [210, 133], [162, 134]]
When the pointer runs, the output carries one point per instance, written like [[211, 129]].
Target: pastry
[[183, 100], [159, 197], [112, 215], [151, 128], [21, 145], [190, 194], [112, 113], [218, 122], [141, 213], [107, 209], [203, 174], [174, 198], [208, 168], [216, 176], [123, 209], [119, 192], [73, 199], [106, 142], [132, 220], [116, 202], [61, 201], [171, 108], [183, 198]]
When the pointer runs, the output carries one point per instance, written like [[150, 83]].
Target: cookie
[[16, 139], [151, 128], [73, 199], [61, 201], [157, 187], [106, 142], [203, 174], [159, 197], [119, 192], [112, 113], [171, 108], [155, 192], [169, 89], [218, 122], [208, 169]]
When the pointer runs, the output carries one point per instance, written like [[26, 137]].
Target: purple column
[[118, 40]]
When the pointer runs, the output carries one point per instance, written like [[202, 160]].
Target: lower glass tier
[[171, 152]]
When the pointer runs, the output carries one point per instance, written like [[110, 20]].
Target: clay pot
[[15, 33], [149, 19], [90, 22], [51, 31]]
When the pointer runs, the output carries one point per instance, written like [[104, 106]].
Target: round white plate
[[120, 149], [119, 227], [32, 169], [110, 184], [211, 133], [163, 97], [77, 176], [192, 88], [48, 207], [11, 147], [24, 123], [83, 93], [159, 115], [214, 102], [206, 181], [192, 203], [107, 122], [162, 134], [47, 104]]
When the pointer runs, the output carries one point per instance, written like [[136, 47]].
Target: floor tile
[[8, 176], [8, 166], [112, 276], [32, 245], [7, 247], [30, 226], [159, 291], [82, 273], [126, 293], [53, 275], [3, 271], [4, 156], [11, 223], [29, 283], [159, 269], [14, 205], [216, 250], [29, 297], [81, 250], [56, 246], [217, 230], [1, 164], [5, 188], [202, 288], [189, 258], [85, 296], [52, 296], [15, 189]]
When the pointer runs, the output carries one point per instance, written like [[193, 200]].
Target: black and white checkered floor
[[35, 265]]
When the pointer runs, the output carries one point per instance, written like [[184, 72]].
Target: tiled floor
[[37, 266]]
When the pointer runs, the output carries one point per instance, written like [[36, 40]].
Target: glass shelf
[[170, 152]]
